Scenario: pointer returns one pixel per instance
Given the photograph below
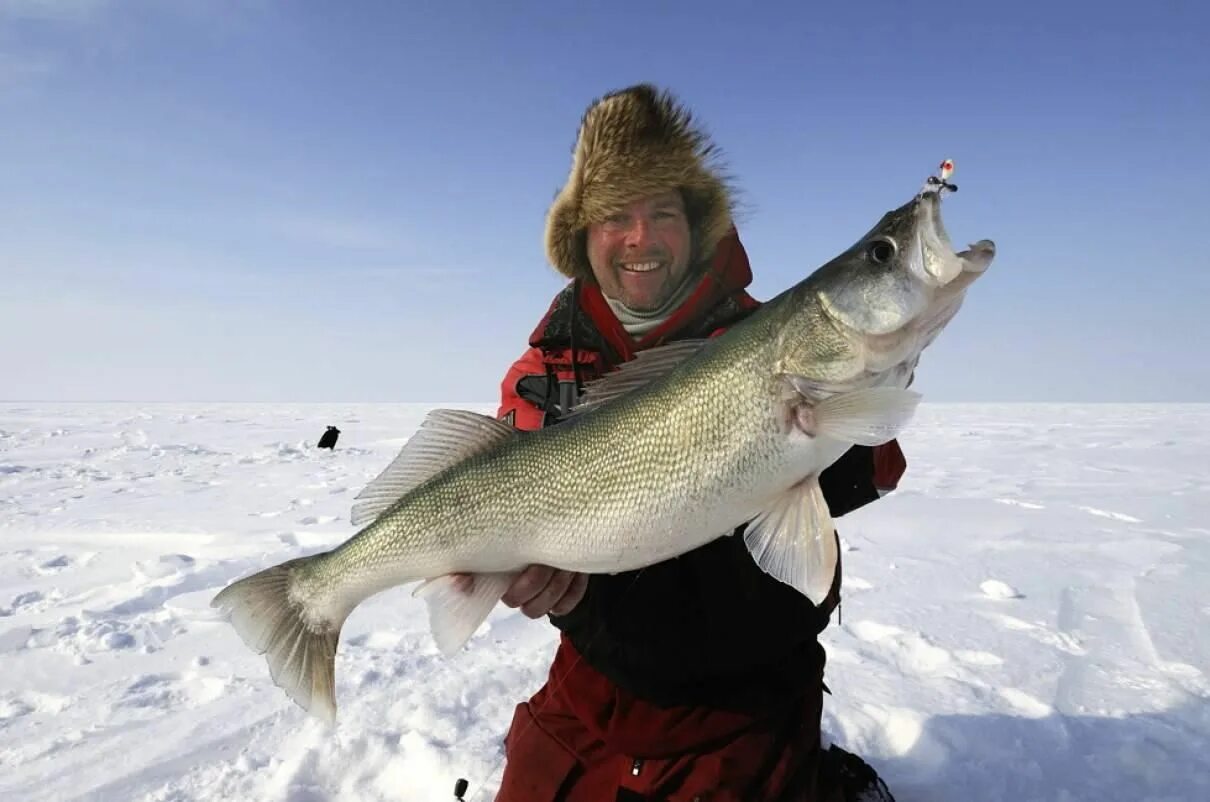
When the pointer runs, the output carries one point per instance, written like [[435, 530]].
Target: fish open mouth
[[940, 262], [934, 260]]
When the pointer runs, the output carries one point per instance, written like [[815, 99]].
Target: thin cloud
[[73, 11], [413, 271], [332, 232], [19, 69]]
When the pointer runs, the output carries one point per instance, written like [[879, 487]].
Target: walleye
[[672, 450]]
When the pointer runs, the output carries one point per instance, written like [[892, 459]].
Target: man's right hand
[[540, 589]]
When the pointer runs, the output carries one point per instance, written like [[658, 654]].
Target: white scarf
[[639, 323]]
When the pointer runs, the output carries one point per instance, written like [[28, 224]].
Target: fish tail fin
[[300, 650], [868, 417], [459, 603]]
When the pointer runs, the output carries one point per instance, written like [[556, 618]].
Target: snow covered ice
[[1024, 619]]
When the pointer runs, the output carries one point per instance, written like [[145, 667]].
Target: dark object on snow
[[460, 789], [328, 440]]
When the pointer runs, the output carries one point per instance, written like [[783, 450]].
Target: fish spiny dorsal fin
[[445, 438], [646, 367]]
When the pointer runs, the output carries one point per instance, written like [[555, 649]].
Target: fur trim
[[632, 143]]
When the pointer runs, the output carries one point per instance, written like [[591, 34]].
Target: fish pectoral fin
[[445, 438], [868, 417], [795, 541], [459, 603], [647, 366]]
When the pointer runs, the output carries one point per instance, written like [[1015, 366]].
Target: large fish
[[674, 449]]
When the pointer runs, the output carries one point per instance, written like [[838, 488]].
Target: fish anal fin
[[459, 603]]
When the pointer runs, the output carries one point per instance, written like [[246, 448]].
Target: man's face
[[640, 254]]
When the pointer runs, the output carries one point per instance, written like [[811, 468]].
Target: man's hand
[[540, 589]]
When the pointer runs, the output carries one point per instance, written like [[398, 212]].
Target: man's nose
[[638, 234]]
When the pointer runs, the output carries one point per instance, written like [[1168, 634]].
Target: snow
[[1022, 618]]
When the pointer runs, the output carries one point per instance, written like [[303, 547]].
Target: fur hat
[[632, 143]]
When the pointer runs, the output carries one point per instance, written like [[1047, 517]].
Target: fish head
[[885, 298]]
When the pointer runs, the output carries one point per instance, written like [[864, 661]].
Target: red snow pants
[[582, 739]]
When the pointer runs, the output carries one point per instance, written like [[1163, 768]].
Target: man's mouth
[[640, 267]]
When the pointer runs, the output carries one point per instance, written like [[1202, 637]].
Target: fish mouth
[[937, 263], [977, 257], [932, 259]]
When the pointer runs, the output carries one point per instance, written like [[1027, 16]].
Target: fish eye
[[882, 251]]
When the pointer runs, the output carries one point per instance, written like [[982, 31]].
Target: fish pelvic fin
[[301, 652], [459, 603], [867, 417], [794, 540]]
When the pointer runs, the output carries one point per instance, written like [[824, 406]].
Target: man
[[700, 678]]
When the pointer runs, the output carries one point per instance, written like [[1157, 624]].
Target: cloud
[[426, 272], [72, 11], [41, 37], [26, 61], [331, 232], [19, 69]]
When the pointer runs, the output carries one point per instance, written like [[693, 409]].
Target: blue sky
[[313, 201]]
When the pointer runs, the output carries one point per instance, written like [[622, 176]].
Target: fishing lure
[[941, 180]]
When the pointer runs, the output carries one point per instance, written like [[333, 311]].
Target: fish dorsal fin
[[646, 367], [445, 438]]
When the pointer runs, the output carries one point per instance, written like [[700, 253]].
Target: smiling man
[[700, 678], [640, 255]]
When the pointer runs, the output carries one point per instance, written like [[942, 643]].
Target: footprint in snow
[[17, 705], [14, 639], [23, 602], [164, 566], [157, 581], [901, 731], [1012, 502], [911, 651], [171, 691], [1058, 640], [54, 565], [995, 589], [978, 658], [1026, 704], [871, 631], [1116, 516]]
